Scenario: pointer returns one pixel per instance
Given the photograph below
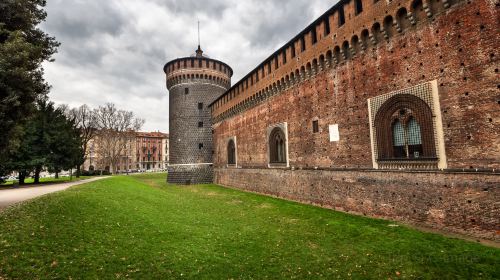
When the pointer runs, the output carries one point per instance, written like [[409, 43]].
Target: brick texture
[[461, 203], [457, 46], [191, 90]]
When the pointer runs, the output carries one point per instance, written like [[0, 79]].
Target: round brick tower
[[193, 83]]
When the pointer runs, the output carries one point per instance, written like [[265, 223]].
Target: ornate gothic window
[[405, 130], [406, 135], [231, 152], [277, 146]]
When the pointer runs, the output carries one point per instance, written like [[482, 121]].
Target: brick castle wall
[[457, 47], [462, 203]]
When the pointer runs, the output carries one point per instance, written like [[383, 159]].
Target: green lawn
[[47, 180], [138, 227]]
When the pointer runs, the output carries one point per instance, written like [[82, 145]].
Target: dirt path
[[12, 196]]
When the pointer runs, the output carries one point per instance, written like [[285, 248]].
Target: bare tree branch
[[115, 133]]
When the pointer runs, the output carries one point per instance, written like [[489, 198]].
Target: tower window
[[293, 50], [200, 124], [276, 65], [200, 106], [314, 37], [303, 43], [186, 90], [315, 126], [200, 146]]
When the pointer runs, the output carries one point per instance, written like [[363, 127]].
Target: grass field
[[46, 180], [137, 227]]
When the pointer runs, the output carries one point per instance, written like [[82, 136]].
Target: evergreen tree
[[23, 48], [50, 141]]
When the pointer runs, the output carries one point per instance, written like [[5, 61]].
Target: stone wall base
[[463, 203], [190, 174]]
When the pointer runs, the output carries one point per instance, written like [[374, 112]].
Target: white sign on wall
[[334, 132]]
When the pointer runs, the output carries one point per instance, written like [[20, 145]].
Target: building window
[[358, 6], [231, 152], [341, 16], [407, 137], [315, 126], [404, 129], [200, 146], [200, 106], [293, 50], [303, 43], [186, 90], [284, 57], [200, 124], [314, 37], [277, 146], [327, 26]]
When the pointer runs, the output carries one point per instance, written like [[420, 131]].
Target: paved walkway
[[11, 196]]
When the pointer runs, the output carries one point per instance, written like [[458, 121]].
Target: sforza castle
[[382, 108]]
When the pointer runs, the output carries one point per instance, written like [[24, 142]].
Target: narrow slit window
[[358, 6], [315, 125], [341, 16], [327, 26]]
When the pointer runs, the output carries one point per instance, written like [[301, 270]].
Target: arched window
[[231, 152], [277, 146], [404, 129], [398, 139], [406, 135]]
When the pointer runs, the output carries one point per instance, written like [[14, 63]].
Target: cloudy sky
[[114, 50]]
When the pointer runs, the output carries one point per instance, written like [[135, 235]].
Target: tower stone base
[[190, 174]]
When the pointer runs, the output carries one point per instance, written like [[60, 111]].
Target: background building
[[147, 151], [151, 151]]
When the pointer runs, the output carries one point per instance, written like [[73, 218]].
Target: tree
[[85, 123], [116, 131], [49, 141], [63, 142], [23, 48]]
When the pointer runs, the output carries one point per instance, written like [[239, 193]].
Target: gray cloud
[[114, 50]]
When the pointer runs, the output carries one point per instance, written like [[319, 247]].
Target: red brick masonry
[[463, 203], [455, 43]]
